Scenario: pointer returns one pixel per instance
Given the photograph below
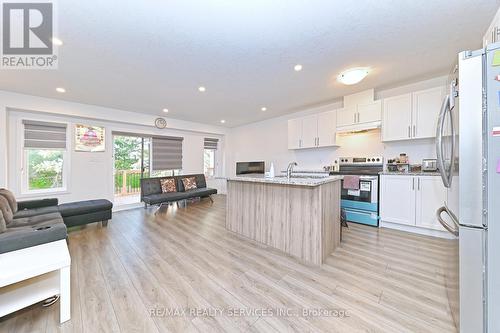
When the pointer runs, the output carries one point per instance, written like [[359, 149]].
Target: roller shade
[[211, 143], [167, 153], [44, 135]]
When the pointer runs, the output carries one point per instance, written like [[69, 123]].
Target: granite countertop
[[298, 181], [417, 173]]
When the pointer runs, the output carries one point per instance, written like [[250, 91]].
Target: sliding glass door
[[132, 161]]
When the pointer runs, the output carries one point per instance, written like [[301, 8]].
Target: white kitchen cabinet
[[294, 133], [313, 131], [309, 131], [430, 195], [425, 112], [346, 116], [397, 199], [412, 200], [369, 112], [411, 116], [359, 114], [327, 124], [396, 118]]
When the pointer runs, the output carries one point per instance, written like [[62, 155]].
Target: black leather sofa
[[151, 192], [35, 222]]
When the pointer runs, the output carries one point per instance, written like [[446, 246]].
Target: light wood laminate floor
[[128, 276]]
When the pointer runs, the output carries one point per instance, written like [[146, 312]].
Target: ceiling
[[147, 55]]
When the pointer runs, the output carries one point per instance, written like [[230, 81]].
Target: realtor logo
[[27, 32]]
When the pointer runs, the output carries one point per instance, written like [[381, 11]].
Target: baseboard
[[416, 230]]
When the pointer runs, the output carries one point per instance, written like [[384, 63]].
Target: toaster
[[429, 164]]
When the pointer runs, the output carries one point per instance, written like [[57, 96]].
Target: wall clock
[[160, 123]]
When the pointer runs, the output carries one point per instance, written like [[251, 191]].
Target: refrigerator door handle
[[453, 230], [439, 143]]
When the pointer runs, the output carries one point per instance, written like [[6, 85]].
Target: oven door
[[367, 191]]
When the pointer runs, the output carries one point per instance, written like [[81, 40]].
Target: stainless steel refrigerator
[[468, 153]]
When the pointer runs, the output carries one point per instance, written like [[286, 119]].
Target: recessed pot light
[[165, 110], [297, 67], [263, 108], [353, 75], [222, 121], [60, 90], [56, 41], [202, 89]]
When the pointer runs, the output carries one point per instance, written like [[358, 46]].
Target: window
[[210, 149], [44, 156], [44, 169], [209, 162]]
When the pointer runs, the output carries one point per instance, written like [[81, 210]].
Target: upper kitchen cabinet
[[327, 124], [411, 116], [294, 133], [370, 112], [396, 119], [348, 117], [313, 131], [426, 107]]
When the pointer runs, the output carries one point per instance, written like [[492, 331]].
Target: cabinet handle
[[358, 117], [413, 184], [414, 130], [317, 141], [355, 118], [409, 131], [418, 184]]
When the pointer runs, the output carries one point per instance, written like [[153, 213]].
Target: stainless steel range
[[360, 203]]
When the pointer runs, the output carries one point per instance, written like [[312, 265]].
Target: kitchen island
[[299, 216]]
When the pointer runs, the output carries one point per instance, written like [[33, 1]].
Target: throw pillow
[[168, 185], [3, 225], [189, 183], [6, 211], [10, 198]]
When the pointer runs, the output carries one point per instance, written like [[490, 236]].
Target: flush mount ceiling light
[[297, 67], [263, 108], [222, 121], [56, 41], [165, 110], [202, 89], [353, 75], [61, 90]]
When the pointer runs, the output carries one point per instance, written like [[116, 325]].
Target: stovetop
[[369, 166]]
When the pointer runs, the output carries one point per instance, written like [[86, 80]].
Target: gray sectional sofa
[[151, 191], [30, 223]]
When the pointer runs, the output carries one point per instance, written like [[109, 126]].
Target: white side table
[[33, 274]]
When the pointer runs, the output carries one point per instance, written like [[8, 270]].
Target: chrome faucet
[[289, 170]]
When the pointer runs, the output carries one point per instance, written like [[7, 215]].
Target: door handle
[[452, 230]]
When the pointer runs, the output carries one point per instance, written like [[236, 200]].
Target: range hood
[[359, 127]]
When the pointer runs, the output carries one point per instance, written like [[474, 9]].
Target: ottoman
[[83, 212]]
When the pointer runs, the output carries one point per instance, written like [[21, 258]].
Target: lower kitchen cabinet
[[411, 200], [397, 199]]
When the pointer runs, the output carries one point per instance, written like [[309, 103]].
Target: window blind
[[167, 153], [211, 143], [44, 135]]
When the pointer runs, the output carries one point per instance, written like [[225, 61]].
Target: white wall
[[91, 174], [267, 140]]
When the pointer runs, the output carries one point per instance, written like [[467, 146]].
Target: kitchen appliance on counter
[[247, 168], [429, 165], [361, 205], [470, 139]]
